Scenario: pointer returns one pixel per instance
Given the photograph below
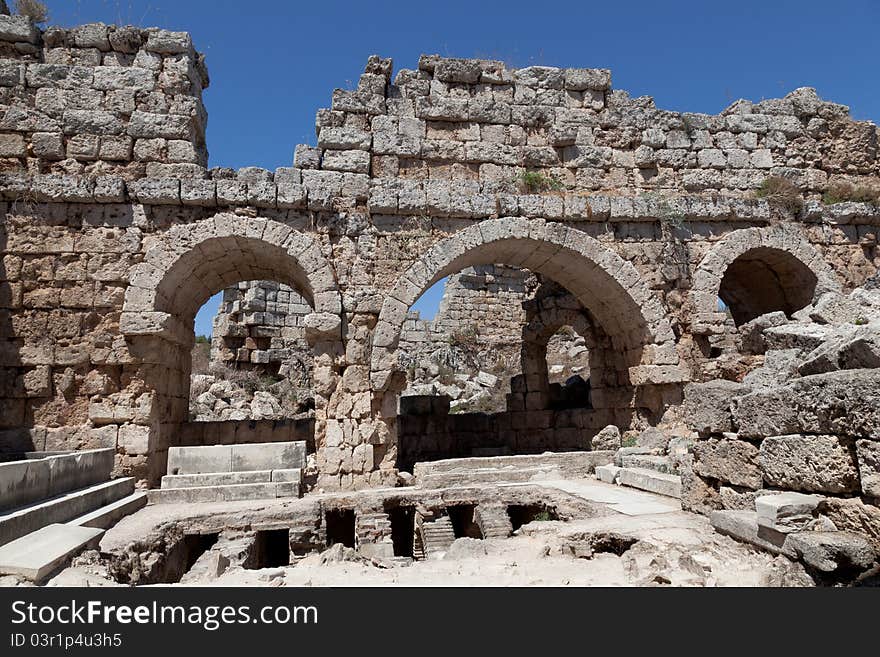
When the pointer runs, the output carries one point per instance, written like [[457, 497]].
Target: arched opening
[[567, 356], [251, 361], [461, 338], [158, 321], [764, 280], [592, 285]]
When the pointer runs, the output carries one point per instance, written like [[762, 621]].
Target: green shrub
[[33, 9], [533, 182], [841, 192], [782, 194]]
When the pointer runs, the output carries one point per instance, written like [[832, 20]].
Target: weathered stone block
[[843, 403], [731, 461], [707, 406], [813, 463], [868, 454]]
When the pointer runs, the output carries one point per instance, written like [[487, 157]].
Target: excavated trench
[[403, 524]]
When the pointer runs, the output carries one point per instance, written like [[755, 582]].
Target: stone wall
[[101, 100], [261, 324], [639, 213]]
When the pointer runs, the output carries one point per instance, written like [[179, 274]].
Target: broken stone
[[607, 438], [786, 512]]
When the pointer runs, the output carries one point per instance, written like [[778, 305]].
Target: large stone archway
[[795, 274], [185, 267], [609, 287], [603, 282]]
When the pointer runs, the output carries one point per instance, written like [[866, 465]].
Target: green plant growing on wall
[[842, 192], [33, 9], [781, 194], [535, 182]]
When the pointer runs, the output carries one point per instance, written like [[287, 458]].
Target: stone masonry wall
[[261, 323], [638, 212], [101, 100]]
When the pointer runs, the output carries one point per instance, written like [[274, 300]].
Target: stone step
[[437, 536], [107, 516], [651, 481], [451, 479], [743, 526], [292, 475], [578, 464], [63, 508], [227, 493], [236, 458], [42, 552], [661, 464], [493, 521]]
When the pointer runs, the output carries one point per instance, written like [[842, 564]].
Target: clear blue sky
[[273, 63]]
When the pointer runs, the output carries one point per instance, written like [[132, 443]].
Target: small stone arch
[[182, 268], [190, 262], [609, 286], [781, 254]]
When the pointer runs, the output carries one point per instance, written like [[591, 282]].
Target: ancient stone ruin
[[717, 274]]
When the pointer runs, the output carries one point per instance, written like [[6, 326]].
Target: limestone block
[[752, 332], [853, 515], [812, 463], [854, 347], [607, 439], [354, 161], [731, 461], [134, 439], [169, 43], [156, 191], [843, 403], [786, 512], [344, 139], [795, 336], [581, 79], [124, 77], [17, 29], [707, 406], [830, 551], [868, 454], [151, 125]]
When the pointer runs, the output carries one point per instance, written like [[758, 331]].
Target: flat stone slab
[[40, 553], [607, 473], [743, 526], [107, 516], [223, 493], [231, 478], [236, 458], [786, 512], [627, 501], [63, 508], [652, 481]]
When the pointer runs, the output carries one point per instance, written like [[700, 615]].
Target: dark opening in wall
[[402, 529], [462, 518], [271, 549], [340, 527], [765, 280], [523, 514], [180, 558]]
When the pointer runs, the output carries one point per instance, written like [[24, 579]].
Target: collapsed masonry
[[114, 233]]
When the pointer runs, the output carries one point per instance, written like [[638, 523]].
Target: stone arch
[[609, 286], [610, 386], [191, 262], [759, 270], [181, 270]]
